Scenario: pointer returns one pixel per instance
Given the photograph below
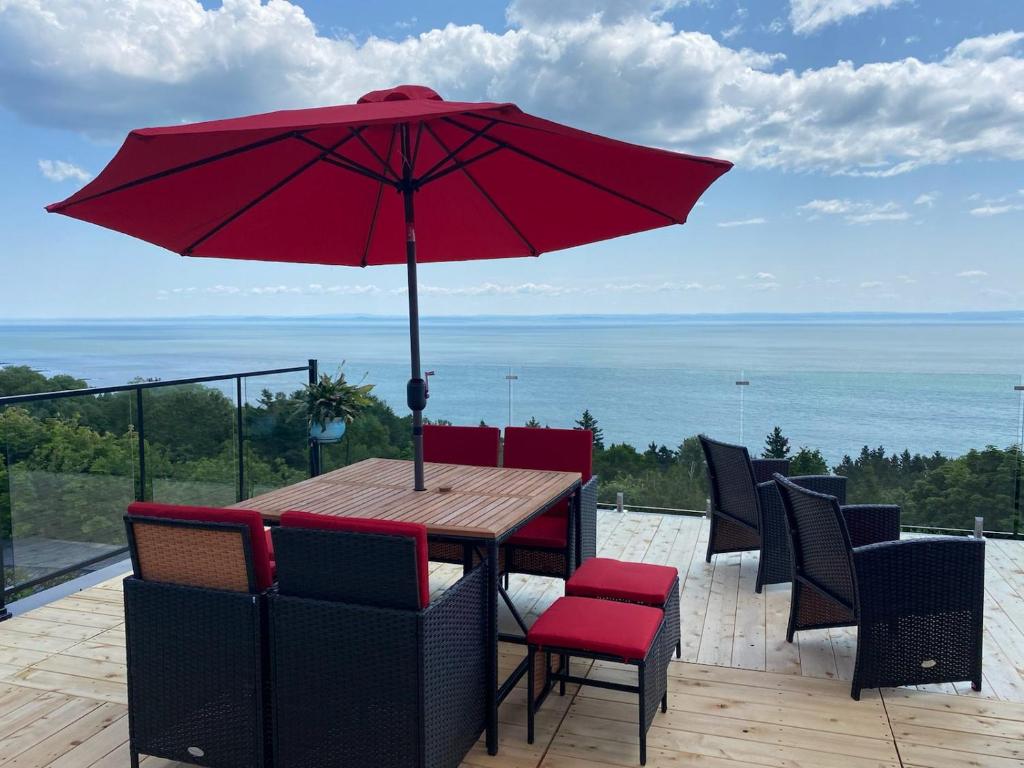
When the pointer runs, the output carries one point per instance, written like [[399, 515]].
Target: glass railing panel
[[192, 443], [68, 471], [276, 450]]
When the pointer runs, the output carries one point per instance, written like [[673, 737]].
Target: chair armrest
[[765, 468], [920, 577], [586, 543], [830, 485], [872, 523], [447, 602]]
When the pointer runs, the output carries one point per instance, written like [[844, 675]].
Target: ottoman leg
[[530, 695]]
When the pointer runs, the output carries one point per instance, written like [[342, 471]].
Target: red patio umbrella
[[402, 176]]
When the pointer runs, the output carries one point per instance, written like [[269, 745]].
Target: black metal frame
[[656, 661], [142, 492], [486, 550]]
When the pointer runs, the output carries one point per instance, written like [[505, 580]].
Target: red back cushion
[[257, 536], [477, 446], [561, 450], [296, 519]]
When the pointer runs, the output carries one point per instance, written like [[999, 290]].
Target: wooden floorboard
[[741, 697]]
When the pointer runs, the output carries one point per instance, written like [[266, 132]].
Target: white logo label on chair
[[928, 663], [196, 751]]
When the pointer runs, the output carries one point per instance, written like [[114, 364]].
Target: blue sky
[[879, 146]]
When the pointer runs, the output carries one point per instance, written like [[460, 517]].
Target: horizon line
[[1006, 315]]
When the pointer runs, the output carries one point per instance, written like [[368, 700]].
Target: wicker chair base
[[195, 674]]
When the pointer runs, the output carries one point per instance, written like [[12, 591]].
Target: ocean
[[926, 383]]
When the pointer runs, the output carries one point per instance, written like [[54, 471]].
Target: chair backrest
[[731, 481], [364, 561], [822, 553], [199, 546], [476, 446], [560, 450]]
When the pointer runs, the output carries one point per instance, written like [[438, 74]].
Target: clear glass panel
[[276, 436], [69, 470], [191, 443]]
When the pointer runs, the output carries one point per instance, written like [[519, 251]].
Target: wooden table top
[[460, 500]]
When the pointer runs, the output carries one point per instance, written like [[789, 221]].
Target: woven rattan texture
[[191, 556], [194, 674]]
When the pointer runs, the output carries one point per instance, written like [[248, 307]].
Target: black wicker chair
[[917, 604], [555, 543], [365, 670], [194, 610], [746, 511]]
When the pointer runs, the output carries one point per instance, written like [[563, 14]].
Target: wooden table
[[479, 507]]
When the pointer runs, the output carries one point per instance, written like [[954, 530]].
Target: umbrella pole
[[416, 390]]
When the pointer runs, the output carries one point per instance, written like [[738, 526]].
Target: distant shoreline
[[760, 318]]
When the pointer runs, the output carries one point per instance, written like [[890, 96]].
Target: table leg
[[492, 644]]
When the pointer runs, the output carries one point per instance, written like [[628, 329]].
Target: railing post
[[314, 446], [140, 423], [240, 431]]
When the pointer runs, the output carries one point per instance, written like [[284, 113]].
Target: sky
[[878, 146]]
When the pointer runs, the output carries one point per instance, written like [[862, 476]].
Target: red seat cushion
[[415, 531], [261, 559], [476, 446], [621, 580], [549, 531], [623, 630]]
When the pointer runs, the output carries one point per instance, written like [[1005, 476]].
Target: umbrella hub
[[401, 93]]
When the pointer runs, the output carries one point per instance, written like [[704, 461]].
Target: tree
[[776, 445], [808, 462], [533, 423], [587, 421]]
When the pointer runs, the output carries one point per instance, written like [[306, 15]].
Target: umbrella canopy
[[400, 177]]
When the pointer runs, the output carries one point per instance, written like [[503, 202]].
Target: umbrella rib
[[333, 158], [486, 196], [264, 195], [451, 155], [457, 166], [694, 158], [376, 205], [567, 172], [386, 167], [181, 168]]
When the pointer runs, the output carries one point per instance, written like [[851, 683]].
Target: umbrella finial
[[401, 93]]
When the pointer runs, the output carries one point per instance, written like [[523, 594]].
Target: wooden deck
[[741, 698]]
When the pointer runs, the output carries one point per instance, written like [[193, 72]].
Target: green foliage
[[808, 462], [776, 445], [328, 399], [533, 423], [587, 421]]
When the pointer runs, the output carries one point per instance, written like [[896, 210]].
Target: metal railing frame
[[141, 487]]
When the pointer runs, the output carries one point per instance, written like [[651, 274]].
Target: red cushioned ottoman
[[590, 628], [605, 578]]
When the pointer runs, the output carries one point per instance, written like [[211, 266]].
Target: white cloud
[[59, 170], [102, 66], [731, 32], [989, 47], [926, 198], [855, 212], [992, 209], [911, 39], [764, 276], [669, 286], [871, 284], [972, 273], [809, 16], [313, 289], [743, 222], [906, 279]]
